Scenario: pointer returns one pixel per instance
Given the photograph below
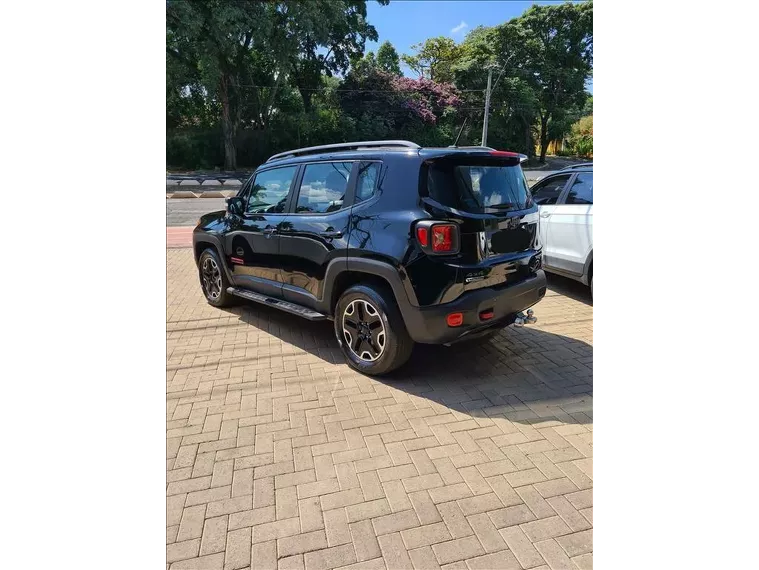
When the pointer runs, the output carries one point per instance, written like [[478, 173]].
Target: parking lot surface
[[281, 456]]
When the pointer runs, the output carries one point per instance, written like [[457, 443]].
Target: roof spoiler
[[474, 151]]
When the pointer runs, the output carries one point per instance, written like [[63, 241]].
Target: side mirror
[[235, 205]]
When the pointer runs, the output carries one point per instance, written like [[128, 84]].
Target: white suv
[[565, 200]]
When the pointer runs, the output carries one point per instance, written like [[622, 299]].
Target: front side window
[[582, 189], [323, 187], [548, 192], [268, 193]]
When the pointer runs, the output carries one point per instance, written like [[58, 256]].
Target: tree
[[556, 50], [224, 44], [513, 109], [388, 60], [434, 59], [382, 105], [337, 26], [245, 53]]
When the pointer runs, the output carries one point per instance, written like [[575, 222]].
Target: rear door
[[546, 194], [489, 198], [571, 225]]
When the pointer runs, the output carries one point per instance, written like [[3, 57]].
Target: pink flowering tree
[[383, 105]]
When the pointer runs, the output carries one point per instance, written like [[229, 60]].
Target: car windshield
[[475, 188]]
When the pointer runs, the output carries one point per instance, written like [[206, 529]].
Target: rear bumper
[[428, 324]]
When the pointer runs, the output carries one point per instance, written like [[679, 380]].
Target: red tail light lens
[[422, 234], [442, 238], [455, 319], [437, 237]]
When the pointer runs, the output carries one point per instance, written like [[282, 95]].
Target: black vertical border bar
[[596, 287], [163, 284]]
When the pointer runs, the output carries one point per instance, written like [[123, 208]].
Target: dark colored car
[[395, 243]]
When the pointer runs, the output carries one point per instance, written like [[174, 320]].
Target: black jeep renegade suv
[[395, 243]]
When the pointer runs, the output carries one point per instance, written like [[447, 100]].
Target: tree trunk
[[543, 138], [228, 126], [306, 95]]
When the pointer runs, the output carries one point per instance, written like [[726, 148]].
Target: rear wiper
[[503, 206]]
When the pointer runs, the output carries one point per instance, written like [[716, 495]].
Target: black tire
[[380, 356], [214, 283]]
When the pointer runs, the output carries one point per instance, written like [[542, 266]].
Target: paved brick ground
[[280, 456]]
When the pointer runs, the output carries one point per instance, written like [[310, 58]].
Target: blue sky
[[407, 22]]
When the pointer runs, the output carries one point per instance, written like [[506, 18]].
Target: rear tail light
[[437, 237], [442, 238], [422, 234], [486, 315]]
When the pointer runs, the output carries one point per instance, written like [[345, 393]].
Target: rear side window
[[368, 173], [476, 188], [582, 189], [269, 190], [548, 192], [323, 187]]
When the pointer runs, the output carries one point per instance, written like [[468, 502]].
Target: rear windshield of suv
[[478, 188]]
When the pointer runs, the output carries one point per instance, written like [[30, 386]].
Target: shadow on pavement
[[526, 374], [569, 288]]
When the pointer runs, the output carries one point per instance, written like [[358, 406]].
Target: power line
[[354, 90]]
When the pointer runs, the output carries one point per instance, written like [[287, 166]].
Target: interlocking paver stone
[[330, 557], [459, 549], [280, 456], [300, 543], [423, 558], [214, 535], [394, 551], [364, 540]]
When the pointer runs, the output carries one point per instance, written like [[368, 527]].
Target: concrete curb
[[184, 194], [200, 194]]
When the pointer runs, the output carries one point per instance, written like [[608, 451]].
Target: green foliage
[[247, 79], [434, 58], [556, 49], [388, 60], [581, 139]]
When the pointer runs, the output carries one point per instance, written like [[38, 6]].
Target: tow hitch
[[525, 319]]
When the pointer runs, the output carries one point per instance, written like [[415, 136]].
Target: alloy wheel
[[363, 330], [211, 278]]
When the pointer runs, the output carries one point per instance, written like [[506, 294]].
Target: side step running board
[[286, 306]]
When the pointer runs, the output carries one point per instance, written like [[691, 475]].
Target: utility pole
[[487, 110]]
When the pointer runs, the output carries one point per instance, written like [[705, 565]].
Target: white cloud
[[460, 28]]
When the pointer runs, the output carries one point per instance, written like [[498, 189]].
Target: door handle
[[545, 214], [269, 231], [331, 234]]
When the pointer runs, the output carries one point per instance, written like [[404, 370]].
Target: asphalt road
[[186, 211]]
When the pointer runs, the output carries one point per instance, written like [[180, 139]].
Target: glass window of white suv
[[546, 193], [582, 189], [478, 188]]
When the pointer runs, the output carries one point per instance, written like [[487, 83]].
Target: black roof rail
[[344, 146]]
